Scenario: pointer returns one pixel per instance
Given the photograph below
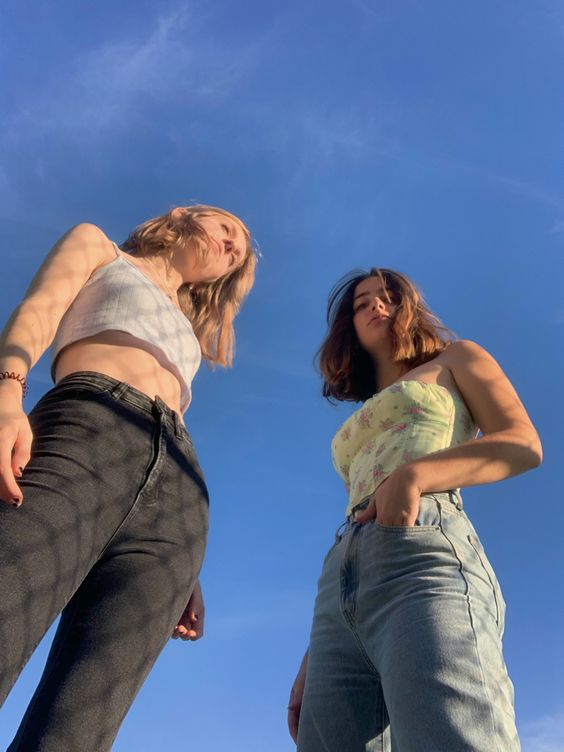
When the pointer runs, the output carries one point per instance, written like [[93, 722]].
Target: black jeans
[[111, 532]]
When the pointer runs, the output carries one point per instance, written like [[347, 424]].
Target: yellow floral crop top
[[403, 422]]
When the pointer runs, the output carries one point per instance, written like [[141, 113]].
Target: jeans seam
[[472, 626], [158, 458], [497, 608], [348, 612]]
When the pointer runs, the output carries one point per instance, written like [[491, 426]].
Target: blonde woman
[[106, 510], [405, 646]]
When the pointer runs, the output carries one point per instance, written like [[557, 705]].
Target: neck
[[387, 370], [171, 278]]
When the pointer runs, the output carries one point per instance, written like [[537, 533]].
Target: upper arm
[[66, 268], [487, 391]]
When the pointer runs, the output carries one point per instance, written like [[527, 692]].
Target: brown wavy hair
[[417, 335], [211, 307]]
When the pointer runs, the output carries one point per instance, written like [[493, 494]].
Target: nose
[[378, 304]]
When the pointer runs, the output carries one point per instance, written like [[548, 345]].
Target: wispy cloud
[[525, 189], [545, 734], [112, 84]]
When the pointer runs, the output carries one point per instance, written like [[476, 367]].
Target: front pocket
[[428, 519]]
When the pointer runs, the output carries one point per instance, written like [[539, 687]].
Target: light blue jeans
[[405, 651]]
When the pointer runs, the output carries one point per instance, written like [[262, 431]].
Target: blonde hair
[[211, 307], [417, 335]]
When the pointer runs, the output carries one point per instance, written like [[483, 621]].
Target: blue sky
[[422, 136]]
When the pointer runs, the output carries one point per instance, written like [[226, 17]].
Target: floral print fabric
[[407, 420]]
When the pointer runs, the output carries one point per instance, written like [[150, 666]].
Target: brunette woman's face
[[226, 245], [372, 313]]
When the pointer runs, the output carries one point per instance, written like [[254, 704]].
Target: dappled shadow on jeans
[[112, 533]]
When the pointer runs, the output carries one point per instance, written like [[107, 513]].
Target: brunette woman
[[405, 647], [106, 510]]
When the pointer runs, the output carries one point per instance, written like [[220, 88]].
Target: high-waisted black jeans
[[111, 532]]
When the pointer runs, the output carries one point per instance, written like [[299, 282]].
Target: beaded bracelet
[[18, 377]]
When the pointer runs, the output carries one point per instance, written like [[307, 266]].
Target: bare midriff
[[117, 354]]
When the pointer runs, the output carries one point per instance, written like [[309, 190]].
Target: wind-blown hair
[[211, 307], [417, 335]]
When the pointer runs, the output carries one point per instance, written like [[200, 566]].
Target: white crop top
[[118, 296]]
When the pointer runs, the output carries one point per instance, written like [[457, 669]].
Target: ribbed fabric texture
[[118, 296]]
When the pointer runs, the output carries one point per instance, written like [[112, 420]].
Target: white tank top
[[118, 296]]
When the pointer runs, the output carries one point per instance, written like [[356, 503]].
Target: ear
[[177, 212]]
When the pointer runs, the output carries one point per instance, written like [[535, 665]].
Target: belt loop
[[119, 389], [159, 406], [340, 531], [458, 499], [177, 430]]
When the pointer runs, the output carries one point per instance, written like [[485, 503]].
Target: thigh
[[343, 706], [75, 497], [436, 609], [109, 636], [123, 613]]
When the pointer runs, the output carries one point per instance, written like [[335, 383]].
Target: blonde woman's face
[[226, 248], [372, 313]]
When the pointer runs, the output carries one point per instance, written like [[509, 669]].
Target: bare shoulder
[[82, 250], [89, 238], [465, 353], [486, 390]]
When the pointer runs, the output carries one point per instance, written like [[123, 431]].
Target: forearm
[[488, 459], [26, 336]]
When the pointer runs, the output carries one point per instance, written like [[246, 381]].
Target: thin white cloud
[[545, 734], [113, 84], [526, 189]]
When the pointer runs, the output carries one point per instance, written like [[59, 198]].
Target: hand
[[191, 624], [396, 500], [295, 702], [15, 448]]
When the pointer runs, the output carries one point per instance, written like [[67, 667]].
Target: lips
[[378, 319]]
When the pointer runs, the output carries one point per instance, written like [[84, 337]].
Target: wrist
[[11, 389], [411, 474]]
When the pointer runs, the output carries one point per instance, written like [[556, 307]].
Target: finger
[[185, 633], [293, 722], [367, 514], [407, 519], [9, 489], [21, 452], [194, 625], [197, 624]]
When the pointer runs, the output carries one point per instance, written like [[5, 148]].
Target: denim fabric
[[112, 533], [405, 651]]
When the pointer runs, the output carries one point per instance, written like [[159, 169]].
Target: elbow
[[535, 451], [538, 454]]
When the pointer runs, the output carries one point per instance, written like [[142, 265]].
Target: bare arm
[[31, 329], [32, 326], [509, 445]]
